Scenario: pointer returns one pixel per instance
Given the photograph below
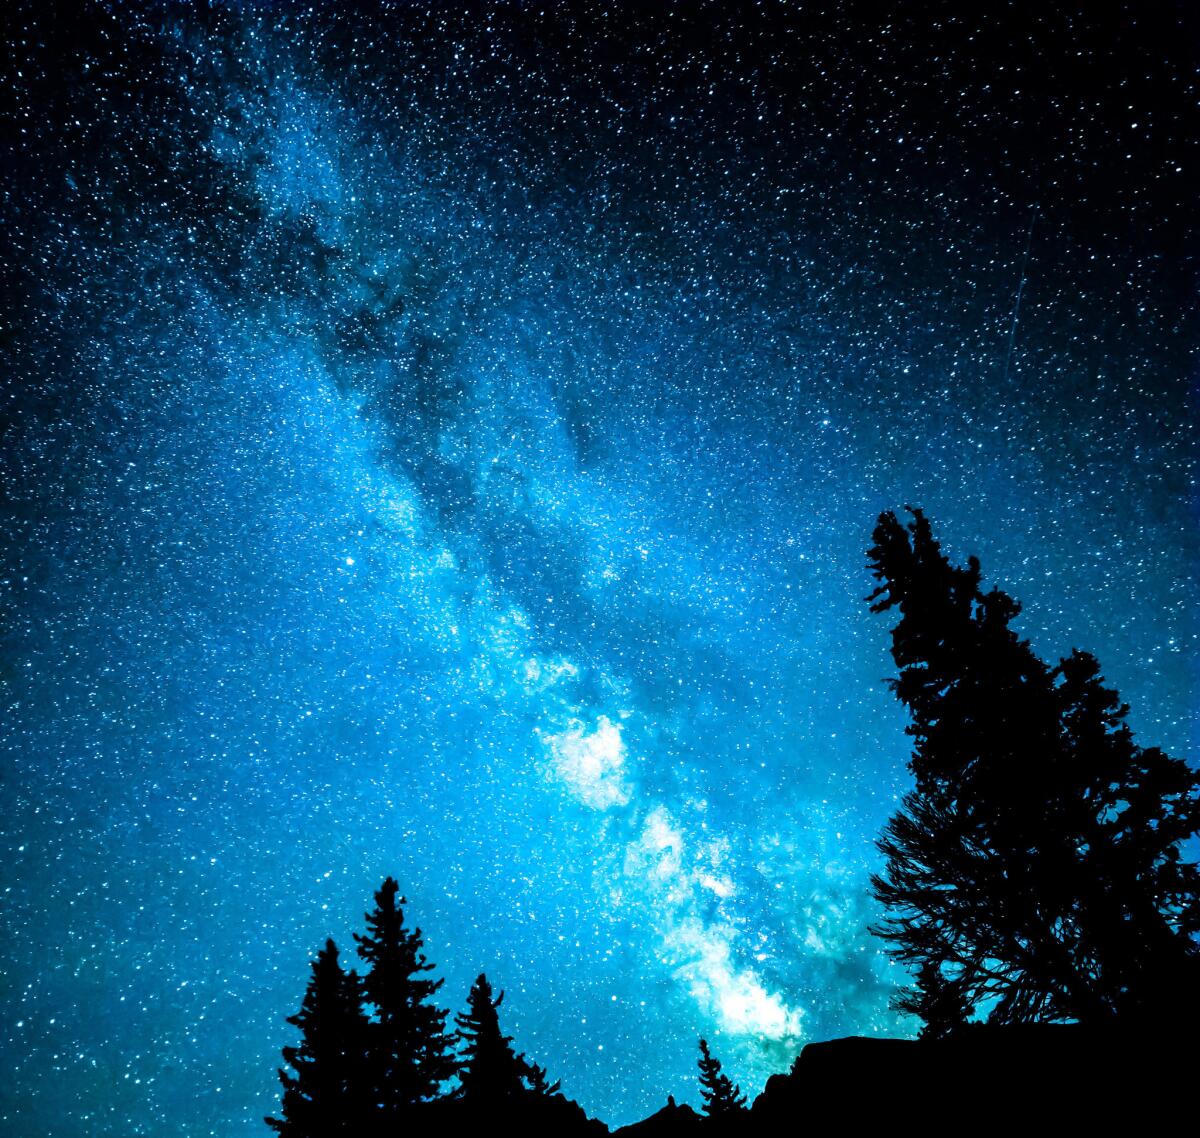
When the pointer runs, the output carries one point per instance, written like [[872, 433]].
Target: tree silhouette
[[327, 1093], [1034, 871], [489, 1071], [536, 1078], [721, 1097], [938, 1000], [411, 1055]]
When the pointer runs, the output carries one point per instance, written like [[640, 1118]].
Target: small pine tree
[[489, 1070], [325, 1096], [411, 1055], [722, 1097]]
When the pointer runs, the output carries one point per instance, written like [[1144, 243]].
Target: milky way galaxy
[[442, 440]]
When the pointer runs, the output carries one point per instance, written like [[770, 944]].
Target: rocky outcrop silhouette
[[1055, 1077], [673, 1119], [1023, 1080]]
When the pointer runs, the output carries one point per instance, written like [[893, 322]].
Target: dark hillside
[[1043, 1078]]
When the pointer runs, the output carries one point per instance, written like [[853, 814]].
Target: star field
[[442, 441]]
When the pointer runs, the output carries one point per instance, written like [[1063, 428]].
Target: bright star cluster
[[441, 440]]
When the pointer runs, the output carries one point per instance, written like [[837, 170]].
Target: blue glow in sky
[[444, 444]]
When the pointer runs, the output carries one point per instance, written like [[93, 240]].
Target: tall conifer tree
[[411, 1056], [327, 1094], [1035, 871]]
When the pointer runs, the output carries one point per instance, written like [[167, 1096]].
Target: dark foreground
[[1040, 1079]]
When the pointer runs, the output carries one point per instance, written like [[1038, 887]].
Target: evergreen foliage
[[536, 1079], [937, 1000], [412, 1053], [489, 1070], [327, 1094], [721, 1096], [1035, 870]]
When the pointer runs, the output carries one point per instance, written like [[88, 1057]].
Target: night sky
[[443, 440]]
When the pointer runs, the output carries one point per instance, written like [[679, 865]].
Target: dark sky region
[[443, 440]]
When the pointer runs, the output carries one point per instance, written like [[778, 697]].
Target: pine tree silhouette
[[721, 1097], [1036, 867], [411, 1053], [489, 1071], [326, 1095], [536, 1079], [937, 1000]]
